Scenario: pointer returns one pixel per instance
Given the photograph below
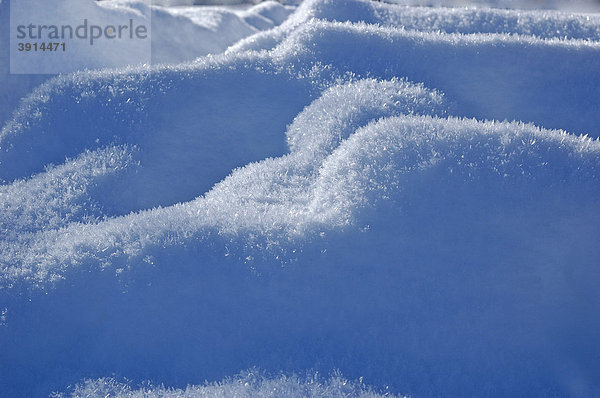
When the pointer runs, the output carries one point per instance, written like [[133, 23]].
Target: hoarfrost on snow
[[410, 195]]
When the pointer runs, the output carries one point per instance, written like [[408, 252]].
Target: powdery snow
[[407, 195], [178, 34], [249, 384]]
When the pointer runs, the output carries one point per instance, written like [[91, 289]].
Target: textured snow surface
[[250, 384], [178, 34], [410, 196]]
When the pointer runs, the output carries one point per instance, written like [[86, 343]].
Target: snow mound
[[184, 33], [139, 172], [565, 5], [247, 384], [542, 24], [452, 206], [178, 34], [547, 24], [488, 76], [409, 206]]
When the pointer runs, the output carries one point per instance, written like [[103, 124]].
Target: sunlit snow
[[336, 198]]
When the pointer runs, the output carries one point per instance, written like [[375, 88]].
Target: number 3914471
[[42, 46]]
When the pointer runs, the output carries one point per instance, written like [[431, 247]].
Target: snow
[[566, 5], [405, 196], [246, 384], [542, 24], [178, 34], [184, 33]]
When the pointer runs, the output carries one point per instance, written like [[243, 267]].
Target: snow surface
[[410, 196], [249, 384], [178, 34]]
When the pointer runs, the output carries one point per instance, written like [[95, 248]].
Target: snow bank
[[178, 34], [541, 24], [345, 200], [184, 33], [565, 5], [545, 24], [451, 206], [488, 75], [246, 384]]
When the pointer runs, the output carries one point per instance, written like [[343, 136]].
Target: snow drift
[[245, 385], [330, 194], [178, 34]]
